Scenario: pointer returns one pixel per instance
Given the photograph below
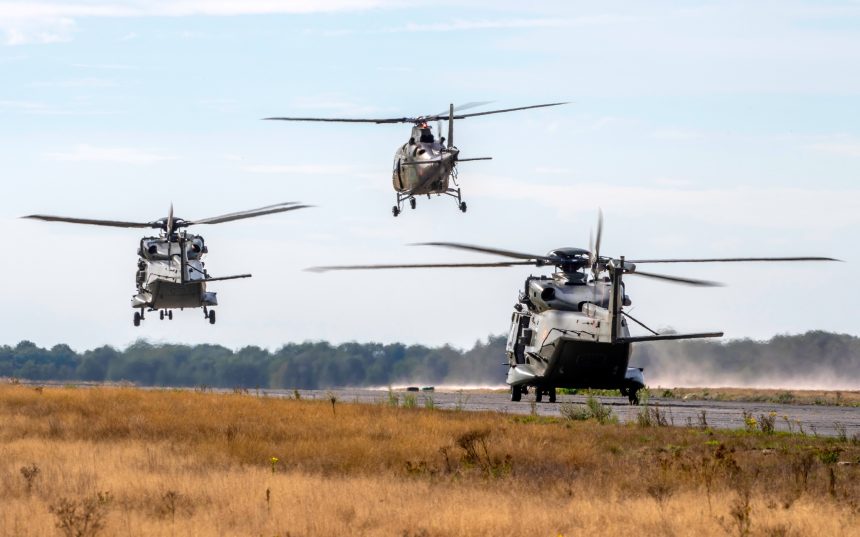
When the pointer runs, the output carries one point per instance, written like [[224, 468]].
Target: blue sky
[[700, 129]]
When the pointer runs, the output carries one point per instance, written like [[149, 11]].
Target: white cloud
[[105, 66], [25, 106], [549, 170], [487, 24], [89, 82], [304, 169], [43, 30], [786, 208], [127, 155], [850, 148], [332, 102], [53, 22], [676, 134]]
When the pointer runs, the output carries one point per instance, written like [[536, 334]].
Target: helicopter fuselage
[[562, 336], [423, 165], [171, 273]]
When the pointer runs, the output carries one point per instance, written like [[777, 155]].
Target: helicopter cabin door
[[516, 344]]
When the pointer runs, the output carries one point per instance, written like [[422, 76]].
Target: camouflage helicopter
[[425, 165], [569, 329], [170, 267]]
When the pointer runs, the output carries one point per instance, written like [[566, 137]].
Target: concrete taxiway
[[809, 419]]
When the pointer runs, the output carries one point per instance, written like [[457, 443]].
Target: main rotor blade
[[252, 213], [170, 221], [485, 250], [676, 279], [732, 260], [444, 115], [91, 221], [346, 120], [465, 106], [419, 266]]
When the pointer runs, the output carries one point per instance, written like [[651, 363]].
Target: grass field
[[122, 461]]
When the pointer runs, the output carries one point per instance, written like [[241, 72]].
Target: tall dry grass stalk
[[191, 463]]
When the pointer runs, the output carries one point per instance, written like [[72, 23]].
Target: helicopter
[[570, 329], [170, 269], [424, 165]]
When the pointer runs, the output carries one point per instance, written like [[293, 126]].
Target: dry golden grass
[[187, 463]]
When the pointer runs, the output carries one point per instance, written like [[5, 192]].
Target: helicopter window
[[427, 136]]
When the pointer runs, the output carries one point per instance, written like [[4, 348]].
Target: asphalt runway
[[813, 419]]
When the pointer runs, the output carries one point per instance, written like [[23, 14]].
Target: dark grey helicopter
[[170, 269], [425, 165], [569, 329]]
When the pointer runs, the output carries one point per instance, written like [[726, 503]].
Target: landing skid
[[401, 198]]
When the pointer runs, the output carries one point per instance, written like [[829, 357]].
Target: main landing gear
[[518, 391], [540, 392], [631, 393], [209, 314], [162, 314]]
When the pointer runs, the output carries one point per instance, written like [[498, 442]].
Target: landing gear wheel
[[170, 315], [395, 211], [212, 317], [412, 203], [161, 315], [137, 318], [516, 393], [463, 206], [552, 395], [633, 396], [538, 395]]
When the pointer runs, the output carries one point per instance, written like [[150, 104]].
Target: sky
[[699, 128]]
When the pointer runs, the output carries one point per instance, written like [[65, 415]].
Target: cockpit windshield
[[427, 136]]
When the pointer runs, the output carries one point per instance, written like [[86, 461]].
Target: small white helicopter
[[170, 267], [425, 165], [569, 330]]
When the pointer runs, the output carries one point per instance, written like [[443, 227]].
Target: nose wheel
[[412, 202], [463, 207], [209, 314]]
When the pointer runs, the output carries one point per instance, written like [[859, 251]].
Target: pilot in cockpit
[[427, 136]]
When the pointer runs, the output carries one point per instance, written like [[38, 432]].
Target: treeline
[[814, 359], [295, 365]]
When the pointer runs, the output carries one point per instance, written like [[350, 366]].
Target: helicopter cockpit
[[423, 134], [159, 249]]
